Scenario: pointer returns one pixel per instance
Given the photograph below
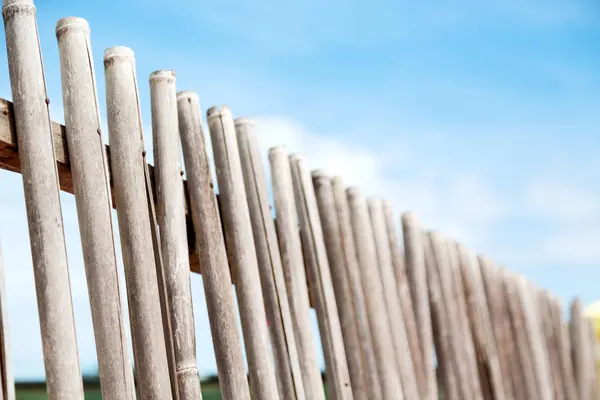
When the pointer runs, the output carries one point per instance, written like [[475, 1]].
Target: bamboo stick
[[396, 318], [277, 305], [311, 235], [92, 196], [356, 290], [40, 182], [242, 253], [417, 281], [293, 267], [391, 386], [173, 234], [341, 285], [210, 247], [127, 161]]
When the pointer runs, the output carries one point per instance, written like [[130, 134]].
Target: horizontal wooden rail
[[9, 160]]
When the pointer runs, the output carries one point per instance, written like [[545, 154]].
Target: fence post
[[444, 333], [293, 266], [242, 253], [561, 330], [405, 301], [488, 363], [396, 318], [416, 280], [128, 162], [341, 285], [356, 288], [40, 182], [7, 384], [92, 194], [311, 234], [391, 386], [173, 233], [210, 247], [463, 328], [580, 349], [277, 305]]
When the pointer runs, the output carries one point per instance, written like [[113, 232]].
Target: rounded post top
[[319, 174], [353, 191], [71, 22], [188, 94], [119, 51], [162, 74], [244, 121], [296, 158], [215, 111], [278, 150], [7, 3]]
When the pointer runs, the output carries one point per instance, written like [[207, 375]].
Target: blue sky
[[481, 117]]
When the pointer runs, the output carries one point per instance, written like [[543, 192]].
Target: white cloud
[[574, 247], [562, 201]]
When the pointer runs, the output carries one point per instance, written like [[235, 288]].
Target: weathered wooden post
[[406, 306], [527, 377], [416, 281], [341, 285], [390, 291], [128, 162], [580, 350], [550, 342], [391, 387], [488, 363], [464, 334], [536, 340], [40, 182], [443, 326], [173, 233], [311, 234], [373, 388], [499, 316], [594, 389], [210, 247], [277, 305], [7, 383], [92, 195], [293, 268], [242, 253], [561, 331]]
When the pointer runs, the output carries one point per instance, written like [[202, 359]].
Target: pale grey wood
[[277, 305], [416, 281], [488, 363], [173, 235], [391, 386], [242, 253], [528, 380], [405, 301], [465, 334], [341, 285], [497, 305], [293, 267], [449, 353], [536, 339], [7, 384], [394, 310], [550, 342], [373, 388], [127, 162], [561, 331], [210, 247], [92, 196], [580, 349], [594, 389], [319, 276], [40, 182]]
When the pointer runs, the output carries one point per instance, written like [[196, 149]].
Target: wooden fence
[[404, 313]]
